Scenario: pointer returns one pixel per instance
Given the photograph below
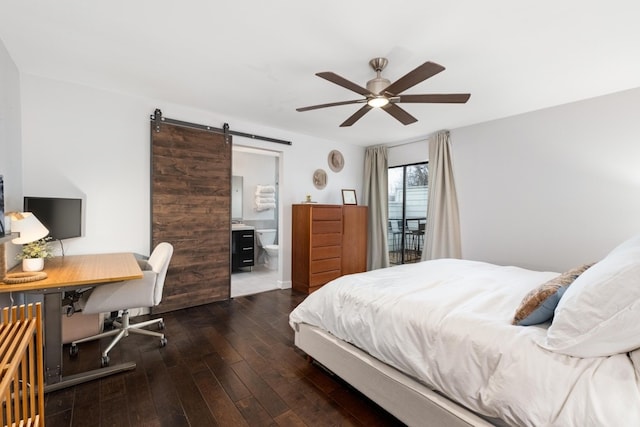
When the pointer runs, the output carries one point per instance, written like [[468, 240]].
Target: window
[[408, 193]]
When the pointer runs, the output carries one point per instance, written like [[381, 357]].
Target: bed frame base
[[408, 400]]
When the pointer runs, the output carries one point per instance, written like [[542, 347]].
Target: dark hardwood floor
[[231, 363]]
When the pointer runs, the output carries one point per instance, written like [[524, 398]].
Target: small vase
[[32, 264]]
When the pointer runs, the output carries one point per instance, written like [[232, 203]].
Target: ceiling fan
[[381, 93]]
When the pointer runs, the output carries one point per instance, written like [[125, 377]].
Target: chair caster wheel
[[105, 361], [163, 342], [160, 325], [73, 350]]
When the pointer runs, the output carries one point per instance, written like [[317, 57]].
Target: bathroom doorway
[[255, 200]]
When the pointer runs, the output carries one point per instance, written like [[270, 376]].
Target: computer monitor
[[61, 216]]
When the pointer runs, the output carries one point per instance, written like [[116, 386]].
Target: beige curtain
[[375, 195], [442, 232]]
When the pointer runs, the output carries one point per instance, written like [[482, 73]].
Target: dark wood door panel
[[191, 209]]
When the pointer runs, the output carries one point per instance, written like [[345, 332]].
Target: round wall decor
[[336, 161], [320, 179]]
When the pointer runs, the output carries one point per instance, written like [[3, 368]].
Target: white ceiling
[[256, 60]]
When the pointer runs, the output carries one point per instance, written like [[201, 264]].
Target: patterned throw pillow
[[540, 303]]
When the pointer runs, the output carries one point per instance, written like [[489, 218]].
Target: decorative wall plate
[[320, 179], [336, 161]]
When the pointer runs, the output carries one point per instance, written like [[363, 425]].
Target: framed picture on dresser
[[349, 197]]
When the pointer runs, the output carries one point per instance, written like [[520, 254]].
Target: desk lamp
[[30, 229]]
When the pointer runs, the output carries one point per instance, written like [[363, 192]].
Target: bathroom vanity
[[242, 246]]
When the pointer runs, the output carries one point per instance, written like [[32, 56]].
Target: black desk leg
[[53, 351], [52, 337]]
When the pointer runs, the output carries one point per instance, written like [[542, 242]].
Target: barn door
[[191, 209]]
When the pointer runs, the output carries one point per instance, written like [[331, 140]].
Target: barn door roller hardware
[[158, 119]]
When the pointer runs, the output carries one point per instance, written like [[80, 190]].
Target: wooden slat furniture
[[67, 273], [21, 371], [328, 241]]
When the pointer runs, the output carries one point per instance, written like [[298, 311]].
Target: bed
[[434, 342]]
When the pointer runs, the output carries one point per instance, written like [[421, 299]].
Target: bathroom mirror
[[236, 198]]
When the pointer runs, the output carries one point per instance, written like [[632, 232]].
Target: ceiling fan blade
[[444, 98], [341, 81], [412, 78], [356, 116], [332, 104], [400, 114]]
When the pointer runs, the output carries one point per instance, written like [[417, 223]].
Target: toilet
[[266, 238]]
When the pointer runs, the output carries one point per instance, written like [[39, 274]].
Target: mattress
[[447, 324]]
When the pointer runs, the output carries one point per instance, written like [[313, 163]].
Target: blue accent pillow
[[544, 311], [540, 303]]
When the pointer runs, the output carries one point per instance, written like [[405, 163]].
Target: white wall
[[408, 153], [553, 188], [10, 137], [85, 142], [10, 150], [10, 140]]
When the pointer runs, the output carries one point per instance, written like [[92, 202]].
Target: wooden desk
[[67, 273]]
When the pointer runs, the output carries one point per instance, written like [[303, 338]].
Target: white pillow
[[599, 314]]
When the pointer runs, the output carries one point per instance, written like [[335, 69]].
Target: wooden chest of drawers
[[322, 244]]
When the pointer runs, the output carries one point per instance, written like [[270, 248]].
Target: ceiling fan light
[[377, 102]]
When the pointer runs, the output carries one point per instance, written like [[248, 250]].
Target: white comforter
[[447, 323]]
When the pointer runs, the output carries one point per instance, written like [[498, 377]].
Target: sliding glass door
[[408, 192]]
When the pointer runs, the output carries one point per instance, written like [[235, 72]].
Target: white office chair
[[145, 292]]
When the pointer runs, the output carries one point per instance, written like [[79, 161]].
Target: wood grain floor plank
[[141, 408], [220, 345], [314, 407], [61, 401], [359, 406], [229, 363], [59, 419], [85, 415], [254, 413], [193, 404], [113, 412], [289, 419], [165, 397], [218, 401], [234, 387], [264, 394]]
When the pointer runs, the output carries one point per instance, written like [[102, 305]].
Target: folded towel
[[265, 189], [264, 206], [261, 199]]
